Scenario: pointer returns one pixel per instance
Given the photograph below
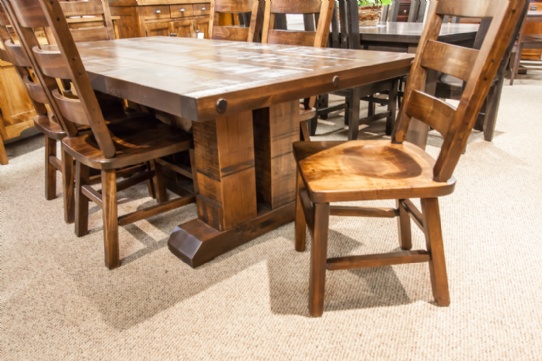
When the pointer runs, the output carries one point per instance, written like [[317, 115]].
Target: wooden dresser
[[17, 111], [140, 18], [533, 27]]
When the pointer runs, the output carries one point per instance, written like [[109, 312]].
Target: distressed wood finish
[[217, 82], [338, 171]]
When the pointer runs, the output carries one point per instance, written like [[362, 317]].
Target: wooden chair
[[45, 121], [275, 31], [50, 126], [524, 41], [114, 149], [89, 20], [239, 20], [347, 171]]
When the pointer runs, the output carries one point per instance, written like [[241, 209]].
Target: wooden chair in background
[[236, 20], [317, 12], [131, 147], [339, 171], [383, 92]]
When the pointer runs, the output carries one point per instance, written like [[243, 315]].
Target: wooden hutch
[[140, 18]]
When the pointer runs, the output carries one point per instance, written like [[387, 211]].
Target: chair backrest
[[476, 67], [239, 20], [89, 20], [320, 11], [61, 62]]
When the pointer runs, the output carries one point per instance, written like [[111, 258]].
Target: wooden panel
[[127, 22], [157, 28], [183, 28], [224, 153], [17, 109], [276, 128]]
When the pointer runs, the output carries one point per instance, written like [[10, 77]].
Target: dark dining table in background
[[243, 100], [404, 37]]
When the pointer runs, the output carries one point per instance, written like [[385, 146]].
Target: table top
[[203, 79], [411, 32]]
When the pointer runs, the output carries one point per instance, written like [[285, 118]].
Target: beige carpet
[[59, 302]]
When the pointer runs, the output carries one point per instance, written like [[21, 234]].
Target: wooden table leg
[[246, 187]]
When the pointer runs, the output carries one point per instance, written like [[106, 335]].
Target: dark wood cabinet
[[404, 10]]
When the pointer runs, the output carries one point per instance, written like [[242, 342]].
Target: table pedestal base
[[196, 243]]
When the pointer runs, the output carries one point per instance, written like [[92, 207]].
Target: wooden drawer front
[[181, 10], [155, 12], [202, 9], [158, 28]]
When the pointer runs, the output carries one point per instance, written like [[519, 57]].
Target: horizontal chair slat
[[432, 111], [449, 59], [377, 260]]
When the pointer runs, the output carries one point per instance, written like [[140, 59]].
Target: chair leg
[[492, 106], [317, 278], [353, 114], [68, 188], [300, 221], [404, 230], [158, 182], [110, 218], [50, 170], [392, 106], [81, 201], [515, 65], [435, 247]]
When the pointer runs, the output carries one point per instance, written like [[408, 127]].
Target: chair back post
[[476, 67]]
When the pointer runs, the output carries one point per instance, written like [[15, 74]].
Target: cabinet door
[[157, 28], [183, 28], [202, 26]]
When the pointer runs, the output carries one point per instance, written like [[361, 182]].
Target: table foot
[[196, 243]]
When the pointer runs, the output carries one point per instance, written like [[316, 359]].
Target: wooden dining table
[[404, 37], [243, 101]]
